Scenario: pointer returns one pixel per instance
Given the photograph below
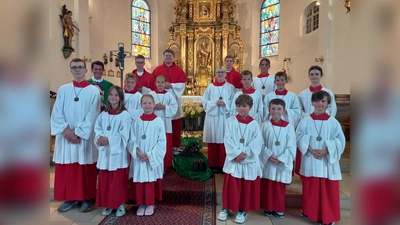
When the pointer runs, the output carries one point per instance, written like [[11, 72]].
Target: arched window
[[269, 31], [140, 28], [312, 18]]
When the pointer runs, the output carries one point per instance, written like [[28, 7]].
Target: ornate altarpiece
[[204, 32]]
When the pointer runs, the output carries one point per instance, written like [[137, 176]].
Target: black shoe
[[304, 216], [86, 206], [195, 166], [279, 215], [268, 213], [67, 206]]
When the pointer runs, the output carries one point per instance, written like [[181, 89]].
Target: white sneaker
[[106, 212], [120, 210], [240, 217], [140, 211], [223, 215]]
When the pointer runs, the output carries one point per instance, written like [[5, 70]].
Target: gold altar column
[[190, 68], [183, 47], [218, 49], [225, 34]]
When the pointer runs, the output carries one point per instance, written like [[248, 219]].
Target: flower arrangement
[[191, 109]]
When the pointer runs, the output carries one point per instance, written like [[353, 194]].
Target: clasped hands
[[159, 106], [242, 156], [142, 156], [274, 160], [318, 153], [70, 136], [102, 141], [220, 102]]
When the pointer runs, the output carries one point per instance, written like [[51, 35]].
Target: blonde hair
[[161, 77], [130, 76]]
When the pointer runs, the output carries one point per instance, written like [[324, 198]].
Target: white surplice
[[250, 168], [308, 108], [293, 110], [332, 139], [285, 152], [154, 145], [268, 82], [80, 116], [132, 104], [177, 91], [257, 111], [171, 107], [114, 155], [214, 123]]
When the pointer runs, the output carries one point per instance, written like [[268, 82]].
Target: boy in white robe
[[321, 141], [72, 121], [277, 155], [216, 102], [315, 74], [292, 108], [112, 131], [147, 164], [243, 141], [165, 108], [257, 111], [132, 97], [264, 82]]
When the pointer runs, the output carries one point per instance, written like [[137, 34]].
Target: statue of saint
[[68, 25], [204, 54]]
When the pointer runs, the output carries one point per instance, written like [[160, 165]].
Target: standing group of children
[[253, 135], [131, 137]]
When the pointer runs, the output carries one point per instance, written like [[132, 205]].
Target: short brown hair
[[77, 60], [319, 95], [281, 74], [161, 77], [146, 95], [246, 73], [243, 100], [229, 57], [277, 101], [139, 57], [130, 76], [266, 60], [168, 50]]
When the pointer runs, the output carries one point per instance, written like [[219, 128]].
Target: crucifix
[[121, 55]]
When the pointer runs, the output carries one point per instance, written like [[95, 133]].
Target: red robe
[[146, 80], [233, 77]]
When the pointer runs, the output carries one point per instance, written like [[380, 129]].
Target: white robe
[[332, 139], [285, 152], [214, 123], [257, 111], [293, 110], [132, 104], [171, 107], [114, 155], [155, 146], [80, 116], [308, 108], [250, 168], [177, 91], [268, 82]]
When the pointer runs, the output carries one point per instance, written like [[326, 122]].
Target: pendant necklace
[[127, 100], [263, 83], [241, 134], [318, 138], [277, 143], [220, 93], [162, 102], [144, 133], [76, 95], [109, 121]]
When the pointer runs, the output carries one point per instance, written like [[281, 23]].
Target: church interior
[[293, 35]]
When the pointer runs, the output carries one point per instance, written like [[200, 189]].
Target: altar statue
[[204, 54]]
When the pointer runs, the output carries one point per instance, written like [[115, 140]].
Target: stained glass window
[[312, 19], [269, 29], [140, 28]]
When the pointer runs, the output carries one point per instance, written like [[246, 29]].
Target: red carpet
[[184, 202]]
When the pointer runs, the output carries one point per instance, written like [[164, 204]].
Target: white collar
[[98, 81]]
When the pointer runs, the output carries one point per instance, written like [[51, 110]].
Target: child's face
[[280, 82], [315, 76], [113, 97], [320, 106], [264, 67], [243, 110], [77, 72], [130, 84], [229, 63], [160, 84], [147, 105], [246, 81], [220, 75], [276, 111]]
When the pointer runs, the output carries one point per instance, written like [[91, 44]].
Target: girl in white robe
[[321, 142], [132, 97], [264, 82], [165, 108], [277, 155], [147, 164], [112, 131], [243, 141], [257, 111], [216, 102]]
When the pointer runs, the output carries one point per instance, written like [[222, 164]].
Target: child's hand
[[159, 106], [274, 160], [220, 103], [142, 156], [102, 141], [242, 156]]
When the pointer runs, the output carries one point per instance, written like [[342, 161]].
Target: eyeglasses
[[221, 72], [77, 67]]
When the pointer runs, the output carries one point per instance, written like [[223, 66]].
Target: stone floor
[[293, 203]]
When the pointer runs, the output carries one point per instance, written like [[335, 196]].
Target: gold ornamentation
[[204, 11]]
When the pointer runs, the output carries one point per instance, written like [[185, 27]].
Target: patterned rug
[[184, 202]]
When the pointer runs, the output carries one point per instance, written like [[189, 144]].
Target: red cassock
[[273, 195], [216, 154], [145, 193], [239, 193], [112, 188], [146, 80], [233, 77]]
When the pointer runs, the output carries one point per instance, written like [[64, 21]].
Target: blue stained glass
[[270, 25], [270, 11], [270, 37], [269, 28], [269, 50], [269, 2], [141, 28]]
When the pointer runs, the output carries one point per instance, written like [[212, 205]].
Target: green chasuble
[[104, 86]]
